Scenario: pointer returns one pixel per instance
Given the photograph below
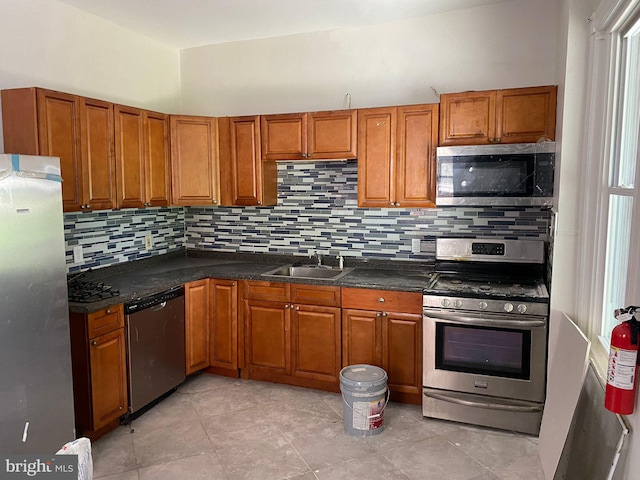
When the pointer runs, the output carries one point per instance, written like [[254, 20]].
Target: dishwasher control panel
[[151, 300]]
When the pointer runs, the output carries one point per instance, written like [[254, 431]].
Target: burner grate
[[87, 292]]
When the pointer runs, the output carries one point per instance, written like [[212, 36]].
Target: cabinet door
[[108, 377], [316, 342], [525, 114], [194, 161], [402, 351], [284, 137], [250, 180], [467, 118], [332, 134], [156, 155], [196, 297], [376, 150], [415, 170], [129, 157], [267, 337], [59, 135], [98, 163], [361, 337], [223, 326]]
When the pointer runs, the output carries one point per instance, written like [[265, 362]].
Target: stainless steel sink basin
[[308, 271]]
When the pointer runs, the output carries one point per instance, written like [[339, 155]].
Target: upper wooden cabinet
[[194, 160], [310, 136], [516, 115], [77, 130], [396, 167], [142, 158], [247, 180]]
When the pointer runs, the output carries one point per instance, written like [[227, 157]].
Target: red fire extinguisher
[[622, 375]]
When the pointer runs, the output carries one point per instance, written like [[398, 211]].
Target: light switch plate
[[148, 242], [78, 256], [415, 245]]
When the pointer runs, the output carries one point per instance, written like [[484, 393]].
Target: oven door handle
[[482, 321], [488, 405]]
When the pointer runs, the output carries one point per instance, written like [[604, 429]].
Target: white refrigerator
[[36, 391]]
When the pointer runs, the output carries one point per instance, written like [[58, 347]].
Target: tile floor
[[230, 429]]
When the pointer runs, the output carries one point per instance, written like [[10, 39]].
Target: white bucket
[[365, 396]]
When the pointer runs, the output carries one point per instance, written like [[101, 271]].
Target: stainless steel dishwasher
[[155, 346]]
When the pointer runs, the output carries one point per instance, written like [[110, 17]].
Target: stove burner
[[484, 288], [456, 281], [87, 292]]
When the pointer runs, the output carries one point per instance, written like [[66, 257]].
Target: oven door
[[485, 353]]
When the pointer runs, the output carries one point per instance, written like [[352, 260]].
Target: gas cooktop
[[87, 291]]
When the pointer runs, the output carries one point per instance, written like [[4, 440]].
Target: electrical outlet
[[78, 256], [148, 242], [415, 245]]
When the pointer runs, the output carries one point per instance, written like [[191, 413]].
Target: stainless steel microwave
[[496, 175]]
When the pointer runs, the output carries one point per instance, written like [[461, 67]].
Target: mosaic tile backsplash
[[317, 211], [115, 236]]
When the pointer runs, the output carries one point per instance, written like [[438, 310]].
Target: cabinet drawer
[[105, 321], [386, 300], [315, 295], [271, 291]]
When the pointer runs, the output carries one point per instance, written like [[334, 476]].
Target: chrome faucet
[[316, 256]]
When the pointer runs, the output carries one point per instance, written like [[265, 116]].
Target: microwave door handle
[[451, 398], [482, 322]]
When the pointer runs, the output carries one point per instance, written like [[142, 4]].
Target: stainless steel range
[[485, 318]]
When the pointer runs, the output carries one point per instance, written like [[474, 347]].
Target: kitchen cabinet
[[384, 328], [78, 130], [247, 180], [292, 333], [310, 136], [142, 157], [223, 327], [195, 171], [517, 115], [396, 165], [99, 370], [196, 321]]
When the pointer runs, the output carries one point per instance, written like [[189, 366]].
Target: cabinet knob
[[491, 140], [391, 204], [297, 307], [384, 314], [94, 342], [88, 205], [215, 201], [259, 202], [397, 204], [381, 300], [498, 139], [108, 311], [378, 314], [286, 305]]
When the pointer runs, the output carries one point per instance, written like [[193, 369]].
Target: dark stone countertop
[[141, 278]]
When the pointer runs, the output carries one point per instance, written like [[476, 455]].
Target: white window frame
[[609, 24]]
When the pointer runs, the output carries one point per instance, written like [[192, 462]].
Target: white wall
[[507, 45], [49, 44]]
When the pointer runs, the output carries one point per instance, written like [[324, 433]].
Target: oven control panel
[[485, 305], [487, 248]]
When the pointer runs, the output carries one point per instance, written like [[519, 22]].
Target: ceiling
[[184, 24]]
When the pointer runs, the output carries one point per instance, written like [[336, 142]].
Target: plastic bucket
[[364, 398]]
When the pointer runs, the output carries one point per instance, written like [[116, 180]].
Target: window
[[615, 211]]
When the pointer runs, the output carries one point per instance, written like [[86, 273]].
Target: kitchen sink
[[308, 271]]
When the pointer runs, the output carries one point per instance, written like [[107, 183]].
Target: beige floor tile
[[524, 468], [113, 453], [176, 408], [433, 459], [170, 443], [370, 467], [198, 467]]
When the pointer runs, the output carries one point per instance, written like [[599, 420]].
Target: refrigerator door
[[36, 391]]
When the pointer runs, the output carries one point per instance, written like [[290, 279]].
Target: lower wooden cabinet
[[196, 325], [384, 328], [99, 370], [223, 326], [287, 338]]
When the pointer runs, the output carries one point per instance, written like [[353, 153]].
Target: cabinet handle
[[378, 314], [491, 140], [391, 204], [381, 300], [297, 307], [94, 342], [215, 201], [498, 139], [259, 202], [108, 311], [120, 407], [384, 314], [397, 204], [88, 206], [286, 305]]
